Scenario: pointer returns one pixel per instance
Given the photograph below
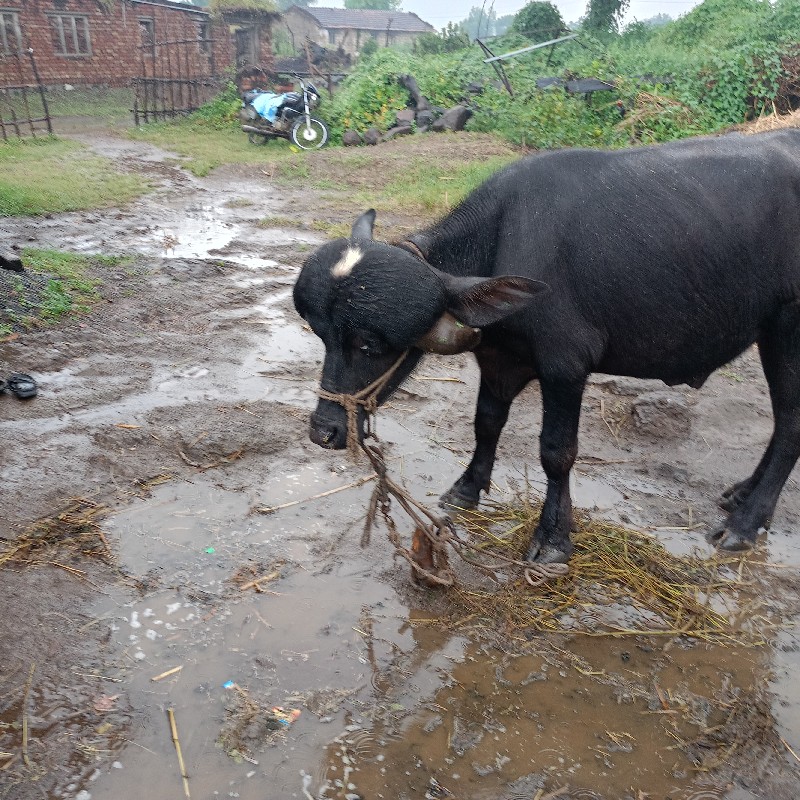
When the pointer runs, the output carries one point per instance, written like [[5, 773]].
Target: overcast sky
[[440, 12]]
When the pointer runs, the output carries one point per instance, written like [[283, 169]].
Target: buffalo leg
[[561, 404], [757, 496], [491, 415], [735, 495]]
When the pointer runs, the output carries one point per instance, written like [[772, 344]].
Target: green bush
[[718, 65], [222, 111]]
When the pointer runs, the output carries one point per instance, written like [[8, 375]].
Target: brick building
[[110, 42]]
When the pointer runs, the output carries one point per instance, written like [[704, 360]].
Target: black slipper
[[22, 385], [2, 386]]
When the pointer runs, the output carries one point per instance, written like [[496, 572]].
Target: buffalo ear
[[362, 227], [478, 302]]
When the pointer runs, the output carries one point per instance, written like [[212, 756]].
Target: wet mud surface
[[178, 411]]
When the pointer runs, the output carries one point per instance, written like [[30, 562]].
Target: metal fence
[[23, 102], [176, 77]]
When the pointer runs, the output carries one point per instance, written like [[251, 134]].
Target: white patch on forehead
[[344, 266]]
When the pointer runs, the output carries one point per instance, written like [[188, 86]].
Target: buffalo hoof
[[453, 500], [725, 539], [545, 553]]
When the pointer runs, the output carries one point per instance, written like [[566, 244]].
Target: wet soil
[[179, 405]]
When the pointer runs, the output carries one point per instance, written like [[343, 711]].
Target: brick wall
[[110, 54]]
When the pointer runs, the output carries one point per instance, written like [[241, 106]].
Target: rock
[[372, 136], [454, 119], [400, 130], [405, 117], [351, 138], [425, 119], [10, 260], [625, 387], [662, 413], [420, 101]]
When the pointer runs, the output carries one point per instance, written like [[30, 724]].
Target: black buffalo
[[656, 262]]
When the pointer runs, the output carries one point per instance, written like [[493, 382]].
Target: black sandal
[[22, 385]]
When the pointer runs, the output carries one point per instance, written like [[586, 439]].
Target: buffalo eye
[[366, 344]]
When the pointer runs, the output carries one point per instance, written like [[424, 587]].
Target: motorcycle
[[266, 115]]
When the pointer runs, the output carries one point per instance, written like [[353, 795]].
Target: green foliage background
[[720, 64]]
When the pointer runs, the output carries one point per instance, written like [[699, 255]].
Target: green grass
[[108, 104], [279, 221], [204, 149], [40, 176], [112, 105], [422, 188], [71, 287]]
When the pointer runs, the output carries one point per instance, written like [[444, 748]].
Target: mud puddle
[[188, 402], [392, 705]]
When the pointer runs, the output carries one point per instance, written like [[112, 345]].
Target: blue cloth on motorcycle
[[267, 104]]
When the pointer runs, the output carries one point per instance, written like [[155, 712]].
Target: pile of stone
[[419, 116]]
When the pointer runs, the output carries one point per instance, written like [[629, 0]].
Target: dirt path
[[180, 405]]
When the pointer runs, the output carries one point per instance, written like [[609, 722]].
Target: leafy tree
[[480, 22], [452, 38], [657, 21], [284, 4], [503, 24], [539, 20], [379, 5], [604, 16], [369, 48]]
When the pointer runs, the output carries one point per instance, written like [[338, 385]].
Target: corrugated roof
[[368, 19]]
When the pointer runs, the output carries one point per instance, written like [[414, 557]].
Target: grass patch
[[334, 230], [108, 104], [54, 285], [203, 149], [30, 185], [436, 190], [278, 221]]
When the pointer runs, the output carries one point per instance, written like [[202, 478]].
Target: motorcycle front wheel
[[309, 136]]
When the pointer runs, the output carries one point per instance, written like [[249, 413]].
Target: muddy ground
[[178, 408]]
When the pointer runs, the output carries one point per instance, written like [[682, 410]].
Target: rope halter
[[367, 399]]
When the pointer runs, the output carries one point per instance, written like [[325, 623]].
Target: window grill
[[71, 35]]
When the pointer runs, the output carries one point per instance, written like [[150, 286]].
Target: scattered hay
[[620, 582], [255, 575], [648, 109], [75, 530], [770, 122], [743, 717]]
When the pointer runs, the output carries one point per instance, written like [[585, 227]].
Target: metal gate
[[23, 102], [176, 78]]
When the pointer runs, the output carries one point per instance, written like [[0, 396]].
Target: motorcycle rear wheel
[[311, 136]]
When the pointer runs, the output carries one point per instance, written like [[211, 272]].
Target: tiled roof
[[368, 19]]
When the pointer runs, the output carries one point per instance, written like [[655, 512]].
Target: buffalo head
[[373, 304]]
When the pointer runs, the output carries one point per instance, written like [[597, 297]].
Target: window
[[70, 34], [10, 33], [147, 36], [204, 37]]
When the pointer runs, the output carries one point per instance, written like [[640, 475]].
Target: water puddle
[[390, 704]]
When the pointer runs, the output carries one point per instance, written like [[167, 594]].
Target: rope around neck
[[438, 529]]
